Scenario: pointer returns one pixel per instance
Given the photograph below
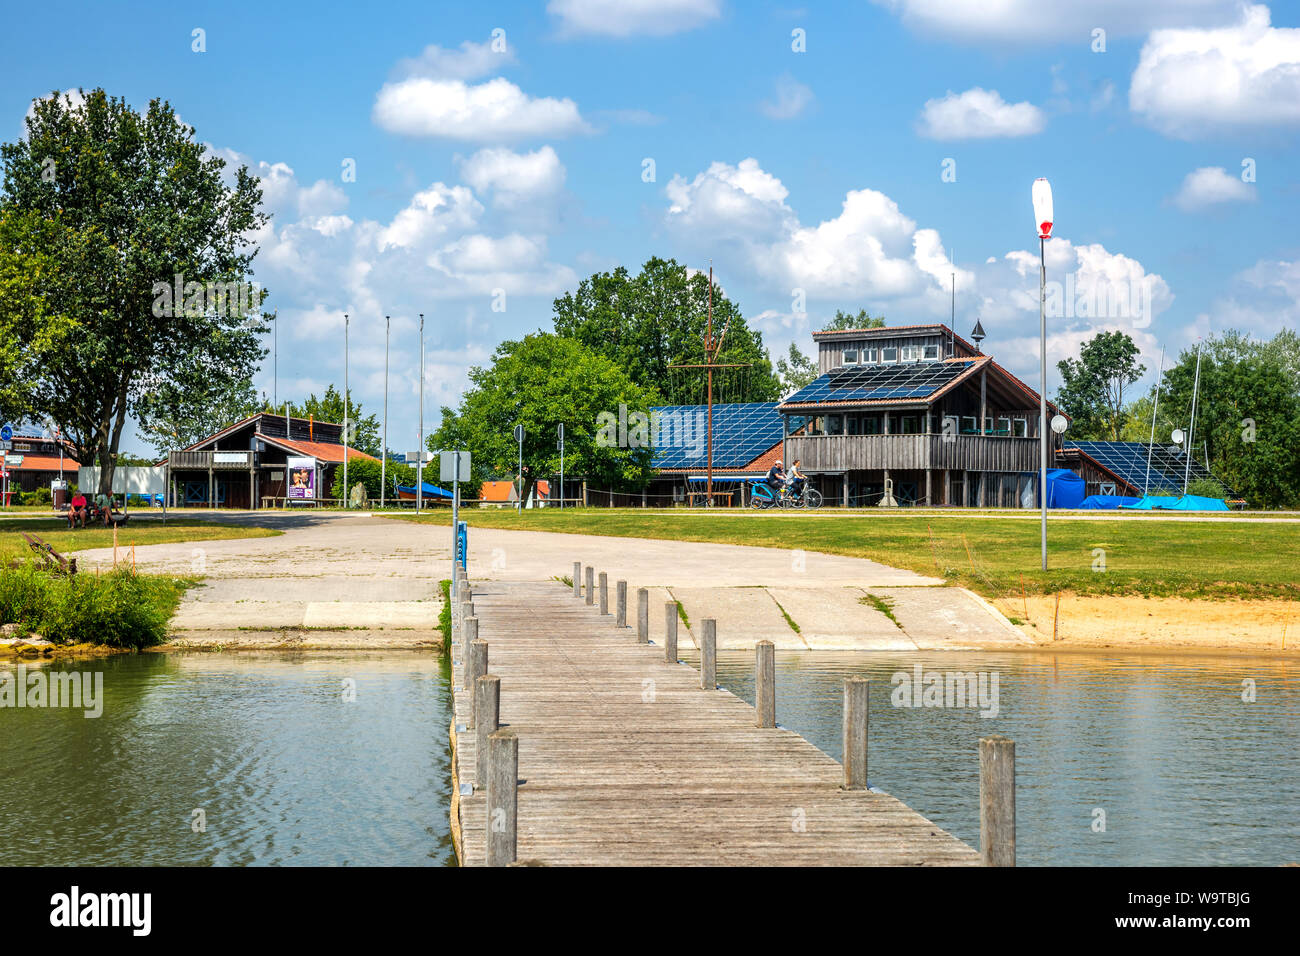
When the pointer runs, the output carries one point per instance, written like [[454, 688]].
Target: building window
[[968, 425], [909, 425], [1019, 428], [870, 424], [834, 424], [815, 425], [852, 425], [889, 354], [870, 357], [850, 356], [1003, 427], [911, 353], [931, 353]]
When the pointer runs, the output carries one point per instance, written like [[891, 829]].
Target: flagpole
[[346, 403], [1191, 428], [419, 457], [1155, 408], [383, 452]]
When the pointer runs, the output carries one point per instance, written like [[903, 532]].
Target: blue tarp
[[1151, 503], [430, 491], [1065, 489], [1197, 503], [1107, 502]]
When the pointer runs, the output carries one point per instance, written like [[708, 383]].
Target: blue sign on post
[[462, 545], [6, 433]]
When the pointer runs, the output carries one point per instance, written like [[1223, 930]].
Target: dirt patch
[[1136, 622]]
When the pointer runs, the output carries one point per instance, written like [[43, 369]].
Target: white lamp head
[[1176, 436], [1043, 215], [1059, 424]]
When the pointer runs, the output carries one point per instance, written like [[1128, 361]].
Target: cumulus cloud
[[514, 179], [1211, 186], [1191, 82], [791, 99], [625, 18], [495, 111], [1026, 21], [470, 62], [979, 114], [282, 194], [1261, 299]]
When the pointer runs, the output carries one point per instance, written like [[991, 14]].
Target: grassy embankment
[[993, 555], [118, 608]]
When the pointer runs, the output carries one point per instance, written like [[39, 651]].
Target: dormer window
[[911, 353], [870, 357], [931, 353], [889, 354], [850, 356]]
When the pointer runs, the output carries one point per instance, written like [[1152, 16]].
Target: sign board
[[302, 477], [127, 479], [5, 444], [230, 458], [14, 461], [519, 433], [413, 457], [447, 466], [6, 433]]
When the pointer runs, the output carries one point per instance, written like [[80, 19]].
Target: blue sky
[[519, 166]]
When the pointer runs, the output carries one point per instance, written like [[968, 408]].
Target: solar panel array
[[1128, 459], [741, 432], [860, 383]]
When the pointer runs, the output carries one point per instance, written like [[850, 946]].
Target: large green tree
[[365, 429], [648, 322], [539, 382], [796, 369], [853, 320], [1247, 413], [1093, 385], [149, 255], [27, 328]]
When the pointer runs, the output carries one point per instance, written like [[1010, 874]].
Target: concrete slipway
[[335, 580]]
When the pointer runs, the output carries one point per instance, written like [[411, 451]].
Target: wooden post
[[670, 632], [577, 579], [487, 721], [591, 590], [502, 797], [709, 654], [620, 604], [857, 704], [642, 616], [476, 665], [765, 683], [604, 593], [998, 801], [468, 635]]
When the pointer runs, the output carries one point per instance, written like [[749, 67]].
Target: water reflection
[[285, 770], [1183, 769]]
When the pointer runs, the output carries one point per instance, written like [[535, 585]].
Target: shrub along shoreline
[[117, 609]]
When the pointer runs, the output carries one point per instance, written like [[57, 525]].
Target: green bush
[[41, 496], [117, 609], [1206, 488], [368, 473]]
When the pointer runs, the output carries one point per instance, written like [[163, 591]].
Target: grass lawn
[[55, 532], [993, 555]]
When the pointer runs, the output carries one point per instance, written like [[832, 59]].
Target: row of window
[[891, 354], [912, 425]]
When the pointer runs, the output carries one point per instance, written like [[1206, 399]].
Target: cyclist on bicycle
[[795, 480], [775, 478]]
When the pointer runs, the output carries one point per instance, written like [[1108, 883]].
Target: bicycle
[[765, 497]]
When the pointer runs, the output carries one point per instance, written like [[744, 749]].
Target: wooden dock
[[624, 759]]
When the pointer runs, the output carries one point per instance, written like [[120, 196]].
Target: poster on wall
[[302, 477]]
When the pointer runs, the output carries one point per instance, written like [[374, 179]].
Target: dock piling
[[998, 801], [502, 798], [765, 683], [604, 594], [476, 664], [642, 616], [709, 654], [857, 703], [487, 721], [577, 579], [591, 591], [620, 604], [468, 635], [670, 632]]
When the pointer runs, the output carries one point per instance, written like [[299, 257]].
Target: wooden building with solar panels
[[917, 414]]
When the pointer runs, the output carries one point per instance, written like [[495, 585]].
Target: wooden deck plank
[[625, 760]]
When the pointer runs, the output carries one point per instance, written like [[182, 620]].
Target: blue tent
[[1151, 503], [1107, 502], [430, 491], [1065, 489], [1197, 503]]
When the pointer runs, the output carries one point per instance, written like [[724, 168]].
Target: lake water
[[1185, 771], [285, 770]]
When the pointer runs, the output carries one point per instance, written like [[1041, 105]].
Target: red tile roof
[[320, 450], [44, 462], [497, 491]]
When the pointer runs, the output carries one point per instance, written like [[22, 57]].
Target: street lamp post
[[383, 452], [419, 458], [346, 402], [1043, 218]]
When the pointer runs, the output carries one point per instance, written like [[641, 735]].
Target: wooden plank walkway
[[625, 760]]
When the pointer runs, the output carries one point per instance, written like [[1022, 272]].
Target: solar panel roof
[[1128, 459], [741, 432], [861, 383]]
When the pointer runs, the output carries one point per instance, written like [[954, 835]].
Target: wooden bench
[[52, 560], [704, 495]]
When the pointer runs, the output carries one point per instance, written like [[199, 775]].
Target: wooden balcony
[[837, 453], [215, 460]]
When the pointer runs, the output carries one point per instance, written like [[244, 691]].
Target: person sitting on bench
[[77, 511]]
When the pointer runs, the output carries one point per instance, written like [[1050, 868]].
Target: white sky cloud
[[791, 99], [514, 179], [470, 62], [624, 18], [495, 111], [978, 114], [1211, 186], [1191, 82], [1024, 21]]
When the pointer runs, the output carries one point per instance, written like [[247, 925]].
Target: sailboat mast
[[1155, 408], [1191, 428]]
